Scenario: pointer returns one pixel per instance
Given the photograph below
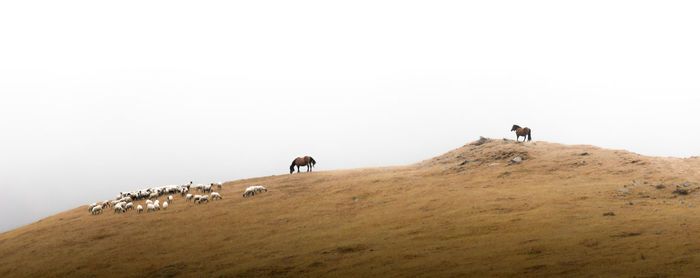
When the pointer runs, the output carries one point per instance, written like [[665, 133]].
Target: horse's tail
[[313, 162], [529, 138]]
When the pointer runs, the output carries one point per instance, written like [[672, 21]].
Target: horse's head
[[291, 169], [515, 127]]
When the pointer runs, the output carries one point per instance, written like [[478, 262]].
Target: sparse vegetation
[[540, 217]]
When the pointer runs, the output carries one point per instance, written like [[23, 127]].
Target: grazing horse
[[307, 161], [519, 131]]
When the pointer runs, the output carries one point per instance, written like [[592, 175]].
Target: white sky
[[100, 97]]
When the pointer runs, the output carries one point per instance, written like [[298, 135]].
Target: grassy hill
[[470, 212]]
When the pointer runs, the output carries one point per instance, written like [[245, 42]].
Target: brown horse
[[307, 161], [519, 131]]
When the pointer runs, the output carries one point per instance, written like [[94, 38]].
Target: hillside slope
[[469, 212]]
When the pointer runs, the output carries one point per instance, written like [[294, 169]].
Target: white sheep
[[143, 194], [196, 198], [218, 185], [172, 189], [119, 209], [150, 207], [165, 205], [90, 206], [139, 209], [248, 192], [96, 210], [184, 191], [203, 199], [251, 190], [129, 205], [149, 201], [170, 198], [189, 197], [157, 204], [215, 195]]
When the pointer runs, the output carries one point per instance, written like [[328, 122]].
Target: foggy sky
[[98, 98]]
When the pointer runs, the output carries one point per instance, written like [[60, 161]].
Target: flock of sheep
[[125, 200]]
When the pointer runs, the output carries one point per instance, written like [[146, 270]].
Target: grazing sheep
[[149, 201], [157, 204], [150, 207], [218, 185], [215, 195], [143, 194], [189, 197], [196, 198], [129, 205], [139, 209], [203, 199], [119, 209], [90, 206], [105, 204], [170, 199], [172, 189], [165, 205], [248, 192], [96, 210], [206, 188], [184, 191], [251, 190], [122, 204], [153, 195]]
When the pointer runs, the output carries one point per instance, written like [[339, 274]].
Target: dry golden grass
[[541, 217]]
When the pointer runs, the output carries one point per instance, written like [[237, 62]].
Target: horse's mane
[[516, 126], [294, 161]]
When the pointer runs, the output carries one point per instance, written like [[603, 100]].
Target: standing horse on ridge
[[307, 161], [520, 131]]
